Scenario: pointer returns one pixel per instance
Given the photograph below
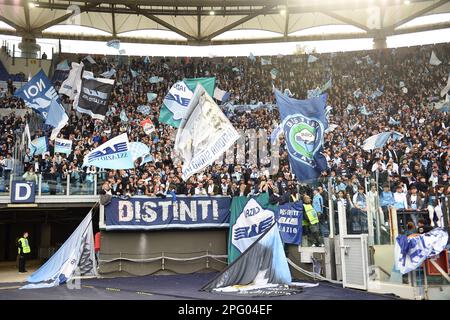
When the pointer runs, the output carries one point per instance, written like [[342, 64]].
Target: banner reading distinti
[[204, 134]]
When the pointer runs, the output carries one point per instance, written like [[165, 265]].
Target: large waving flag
[[410, 252], [380, 139], [69, 86], [40, 95], [113, 154], [177, 99], [204, 134], [76, 254], [93, 96], [304, 124], [249, 218]]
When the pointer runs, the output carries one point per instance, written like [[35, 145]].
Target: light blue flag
[[265, 62], [147, 60], [312, 58], [138, 149], [108, 74], [57, 118], [377, 93], [326, 86], [113, 154], [304, 123], [393, 122], [145, 110], [147, 158], [76, 253], [364, 112], [151, 96], [63, 66], [251, 57], [379, 140], [134, 74], [313, 93], [123, 116], [155, 79], [275, 133], [357, 93], [63, 146], [38, 146], [114, 44], [274, 73]]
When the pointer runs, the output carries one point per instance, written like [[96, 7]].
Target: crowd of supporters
[[418, 163]]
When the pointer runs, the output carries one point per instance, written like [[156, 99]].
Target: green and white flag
[[177, 99], [249, 218]]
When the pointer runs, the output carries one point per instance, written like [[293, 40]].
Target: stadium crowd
[[409, 85]]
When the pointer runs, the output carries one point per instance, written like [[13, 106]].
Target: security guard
[[311, 221], [24, 248]]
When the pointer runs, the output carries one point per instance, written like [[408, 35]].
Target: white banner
[[63, 146], [204, 134], [177, 99], [69, 86]]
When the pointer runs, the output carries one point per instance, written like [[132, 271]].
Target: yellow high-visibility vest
[[25, 245], [311, 213]]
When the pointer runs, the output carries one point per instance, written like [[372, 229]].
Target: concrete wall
[[173, 243], [26, 66]]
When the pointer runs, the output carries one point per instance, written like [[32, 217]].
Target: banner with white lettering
[[149, 213], [94, 96], [289, 217]]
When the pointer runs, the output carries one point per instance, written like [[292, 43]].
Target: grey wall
[[149, 244]]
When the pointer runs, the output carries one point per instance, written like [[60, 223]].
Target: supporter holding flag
[[304, 123]]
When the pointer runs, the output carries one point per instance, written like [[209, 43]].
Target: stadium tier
[[288, 157]]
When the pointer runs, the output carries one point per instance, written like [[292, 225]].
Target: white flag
[[69, 86], [434, 59], [204, 134]]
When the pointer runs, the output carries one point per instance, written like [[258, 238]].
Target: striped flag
[[380, 139]]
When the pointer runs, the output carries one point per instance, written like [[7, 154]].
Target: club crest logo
[[303, 137]]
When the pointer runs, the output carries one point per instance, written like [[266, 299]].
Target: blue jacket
[[386, 199], [318, 203]]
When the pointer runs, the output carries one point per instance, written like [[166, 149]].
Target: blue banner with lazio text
[[150, 213], [290, 216]]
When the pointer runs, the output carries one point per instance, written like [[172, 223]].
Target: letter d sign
[[22, 192]]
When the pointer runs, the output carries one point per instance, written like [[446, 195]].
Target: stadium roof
[[204, 22]]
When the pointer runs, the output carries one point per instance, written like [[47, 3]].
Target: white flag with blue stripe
[[411, 252], [113, 154], [63, 146], [379, 140]]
